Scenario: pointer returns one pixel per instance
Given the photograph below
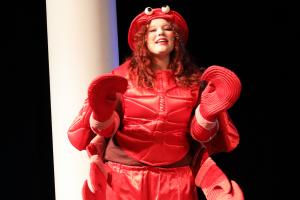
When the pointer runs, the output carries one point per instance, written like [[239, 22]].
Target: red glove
[[102, 95], [97, 146], [215, 184], [222, 91]]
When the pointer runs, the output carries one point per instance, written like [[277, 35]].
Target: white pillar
[[82, 42]]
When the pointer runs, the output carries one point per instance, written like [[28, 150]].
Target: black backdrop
[[251, 38]]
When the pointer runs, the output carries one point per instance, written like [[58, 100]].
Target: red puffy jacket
[[155, 122]]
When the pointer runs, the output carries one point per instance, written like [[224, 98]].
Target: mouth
[[162, 41]]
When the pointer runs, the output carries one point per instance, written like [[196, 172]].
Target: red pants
[[151, 183]]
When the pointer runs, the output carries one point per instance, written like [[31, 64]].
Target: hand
[[221, 92], [102, 95], [97, 146]]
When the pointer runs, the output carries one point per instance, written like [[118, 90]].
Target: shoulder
[[122, 70]]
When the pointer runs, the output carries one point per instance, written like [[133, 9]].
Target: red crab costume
[[140, 140]]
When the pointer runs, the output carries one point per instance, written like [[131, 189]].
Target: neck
[[161, 63]]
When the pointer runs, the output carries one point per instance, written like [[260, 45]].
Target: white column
[[82, 42]]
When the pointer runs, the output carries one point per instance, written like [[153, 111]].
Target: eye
[[152, 30], [148, 11], [168, 28], [165, 9]]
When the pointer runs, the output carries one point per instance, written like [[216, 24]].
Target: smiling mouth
[[161, 41]]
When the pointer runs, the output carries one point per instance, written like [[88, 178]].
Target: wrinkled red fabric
[[227, 137], [80, 133], [215, 184], [147, 182], [201, 134], [154, 130], [156, 120]]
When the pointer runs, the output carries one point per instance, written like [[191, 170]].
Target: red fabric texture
[[215, 184], [107, 128], [201, 134], [222, 91], [99, 173], [97, 146], [146, 182], [227, 137], [107, 132], [153, 131], [156, 120], [98, 176], [87, 194], [102, 95], [80, 133]]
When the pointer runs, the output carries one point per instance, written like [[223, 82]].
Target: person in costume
[[151, 125]]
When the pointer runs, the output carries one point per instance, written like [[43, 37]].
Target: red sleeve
[[227, 137], [80, 133]]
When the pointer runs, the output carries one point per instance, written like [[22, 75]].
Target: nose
[[160, 31]]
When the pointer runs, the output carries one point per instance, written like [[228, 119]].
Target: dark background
[[253, 39]]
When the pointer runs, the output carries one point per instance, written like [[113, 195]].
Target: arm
[[226, 139], [221, 92], [103, 97], [97, 114], [80, 133]]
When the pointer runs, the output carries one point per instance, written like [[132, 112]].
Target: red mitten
[[215, 184], [102, 95], [222, 91], [97, 146]]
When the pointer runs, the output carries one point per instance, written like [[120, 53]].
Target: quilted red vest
[[156, 120]]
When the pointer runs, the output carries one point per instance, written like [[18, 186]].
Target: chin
[[162, 52]]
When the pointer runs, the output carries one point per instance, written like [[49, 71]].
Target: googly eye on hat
[[165, 12]]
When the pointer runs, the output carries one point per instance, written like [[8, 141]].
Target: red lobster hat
[[154, 13]]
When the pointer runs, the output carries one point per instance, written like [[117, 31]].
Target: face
[[160, 37]]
